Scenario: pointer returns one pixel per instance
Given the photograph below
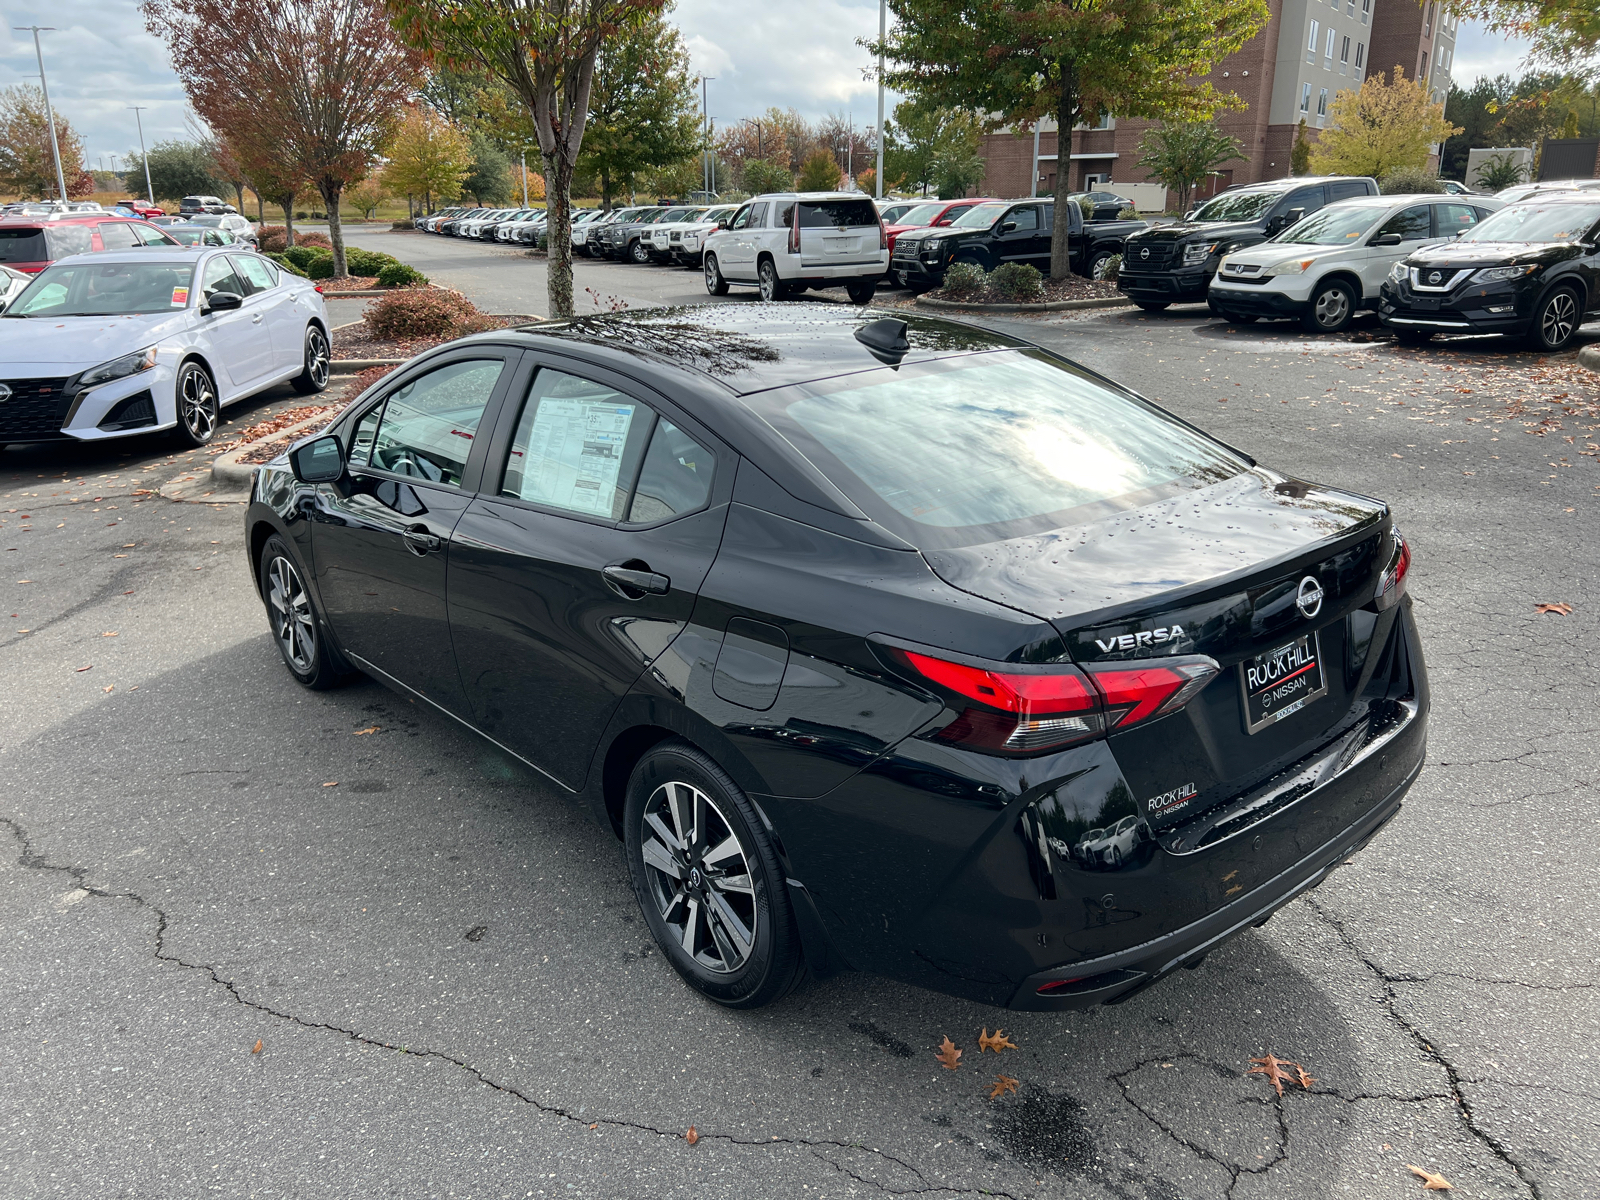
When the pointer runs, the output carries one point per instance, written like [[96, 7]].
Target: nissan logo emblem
[[1309, 601], [1145, 252], [1434, 276], [5, 393]]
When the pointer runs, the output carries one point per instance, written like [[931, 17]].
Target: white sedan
[[116, 344]]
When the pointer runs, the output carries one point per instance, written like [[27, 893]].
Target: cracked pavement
[[455, 994]]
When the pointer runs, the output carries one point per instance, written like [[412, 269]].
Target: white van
[[788, 241]]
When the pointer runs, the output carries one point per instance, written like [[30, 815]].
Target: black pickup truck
[[1005, 231], [1174, 264]]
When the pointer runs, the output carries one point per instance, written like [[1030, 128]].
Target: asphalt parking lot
[[453, 994]]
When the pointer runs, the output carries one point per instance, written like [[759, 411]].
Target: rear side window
[[970, 450], [1454, 218], [1347, 190], [255, 273], [24, 246], [577, 446], [675, 478], [817, 214]]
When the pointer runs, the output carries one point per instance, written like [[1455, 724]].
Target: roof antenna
[[886, 339]]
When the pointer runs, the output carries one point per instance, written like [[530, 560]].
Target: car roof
[[748, 348], [1584, 197], [156, 253]]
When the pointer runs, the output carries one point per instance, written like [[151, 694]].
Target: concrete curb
[[1044, 306], [354, 366], [1589, 357], [361, 293], [228, 481], [229, 472]]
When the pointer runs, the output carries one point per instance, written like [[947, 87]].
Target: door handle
[[256, 320], [635, 580], [419, 541]]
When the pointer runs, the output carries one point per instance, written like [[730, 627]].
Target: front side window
[[221, 277], [1330, 227], [427, 427], [741, 218], [114, 235], [974, 449], [1412, 224], [88, 288], [1025, 219], [577, 446]]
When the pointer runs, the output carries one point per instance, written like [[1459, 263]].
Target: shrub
[[1407, 180], [366, 262], [301, 215], [1109, 268], [1086, 207], [271, 238], [283, 261], [1016, 282], [964, 281], [404, 225], [412, 313], [366, 379], [321, 265], [399, 275], [301, 256], [317, 240]]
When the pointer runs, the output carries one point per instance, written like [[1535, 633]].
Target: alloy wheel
[[699, 877], [317, 358], [715, 284], [290, 610], [1558, 319], [768, 276], [197, 405]]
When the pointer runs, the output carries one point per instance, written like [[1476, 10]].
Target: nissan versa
[[895, 645]]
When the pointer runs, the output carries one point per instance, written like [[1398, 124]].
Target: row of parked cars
[[1525, 263]]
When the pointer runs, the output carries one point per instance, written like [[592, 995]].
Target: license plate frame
[[1265, 706]]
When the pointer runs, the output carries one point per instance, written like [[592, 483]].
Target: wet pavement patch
[[1047, 1131]]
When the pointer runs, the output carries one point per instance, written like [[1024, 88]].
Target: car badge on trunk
[[1309, 601]]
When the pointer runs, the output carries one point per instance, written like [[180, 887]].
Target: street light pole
[[49, 116], [524, 177], [883, 32], [705, 125], [149, 187]]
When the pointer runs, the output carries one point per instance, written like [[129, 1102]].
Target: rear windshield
[[1534, 222], [991, 446], [1236, 206], [22, 245], [95, 288], [816, 214]]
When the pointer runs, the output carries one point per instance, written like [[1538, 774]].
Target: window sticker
[[180, 297], [575, 453]]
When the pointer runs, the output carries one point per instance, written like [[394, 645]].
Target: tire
[[1414, 337], [728, 931], [862, 291], [897, 280], [1555, 321], [315, 376], [767, 282], [716, 285], [639, 252], [198, 410], [297, 627], [1333, 306], [1100, 256], [1153, 306]]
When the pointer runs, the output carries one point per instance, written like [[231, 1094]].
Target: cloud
[[1480, 53]]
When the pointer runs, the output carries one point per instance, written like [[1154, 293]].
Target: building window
[[1350, 8], [1427, 23], [1305, 98], [1422, 72], [1311, 46], [1327, 53], [1344, 57], [1322, 103], [1361, 54], [1366, 10]]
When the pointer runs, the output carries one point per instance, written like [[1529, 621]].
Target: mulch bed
[[357, 342], [350, 283], [1074, 287], [266, 446]]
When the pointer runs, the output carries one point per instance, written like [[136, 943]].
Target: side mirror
[[1189, 216], [1387, 239], [1008, 226], [943, 221], [320, 460], [221, 301]]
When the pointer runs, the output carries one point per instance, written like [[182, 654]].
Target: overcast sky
[[800, 54]]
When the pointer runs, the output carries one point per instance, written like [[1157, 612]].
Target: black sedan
[[1531, 271], [894, 645]]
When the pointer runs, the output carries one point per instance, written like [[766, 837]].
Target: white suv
[[1325, 268], [787, 241]]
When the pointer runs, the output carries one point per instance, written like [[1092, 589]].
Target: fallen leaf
[[335, 783], [996, 1043], [112, 634], [692, 1136], [1273, 1068], [1560, 609], [1002, 1085], [1430, 1181], [256, 1049], [948, 1055], [81, 670], [1305, 1080], [596, 1125], [369, 729], [108, 687]]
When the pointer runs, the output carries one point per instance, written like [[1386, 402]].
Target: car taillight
[[883, 234], [1008, 711], [794, 230], [319, 289], [1392, 584], [1140, 691]]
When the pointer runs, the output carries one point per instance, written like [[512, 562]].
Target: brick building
[[1309, 51]]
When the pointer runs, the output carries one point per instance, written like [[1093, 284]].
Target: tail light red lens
[[1015, 712], [1392, 584], [794, 230], [883, 234]]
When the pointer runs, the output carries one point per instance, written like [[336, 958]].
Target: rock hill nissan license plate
[[1281, 681]]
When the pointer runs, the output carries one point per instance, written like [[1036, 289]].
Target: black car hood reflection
[[1493, 254], [1154, 550], [1182, 229]]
